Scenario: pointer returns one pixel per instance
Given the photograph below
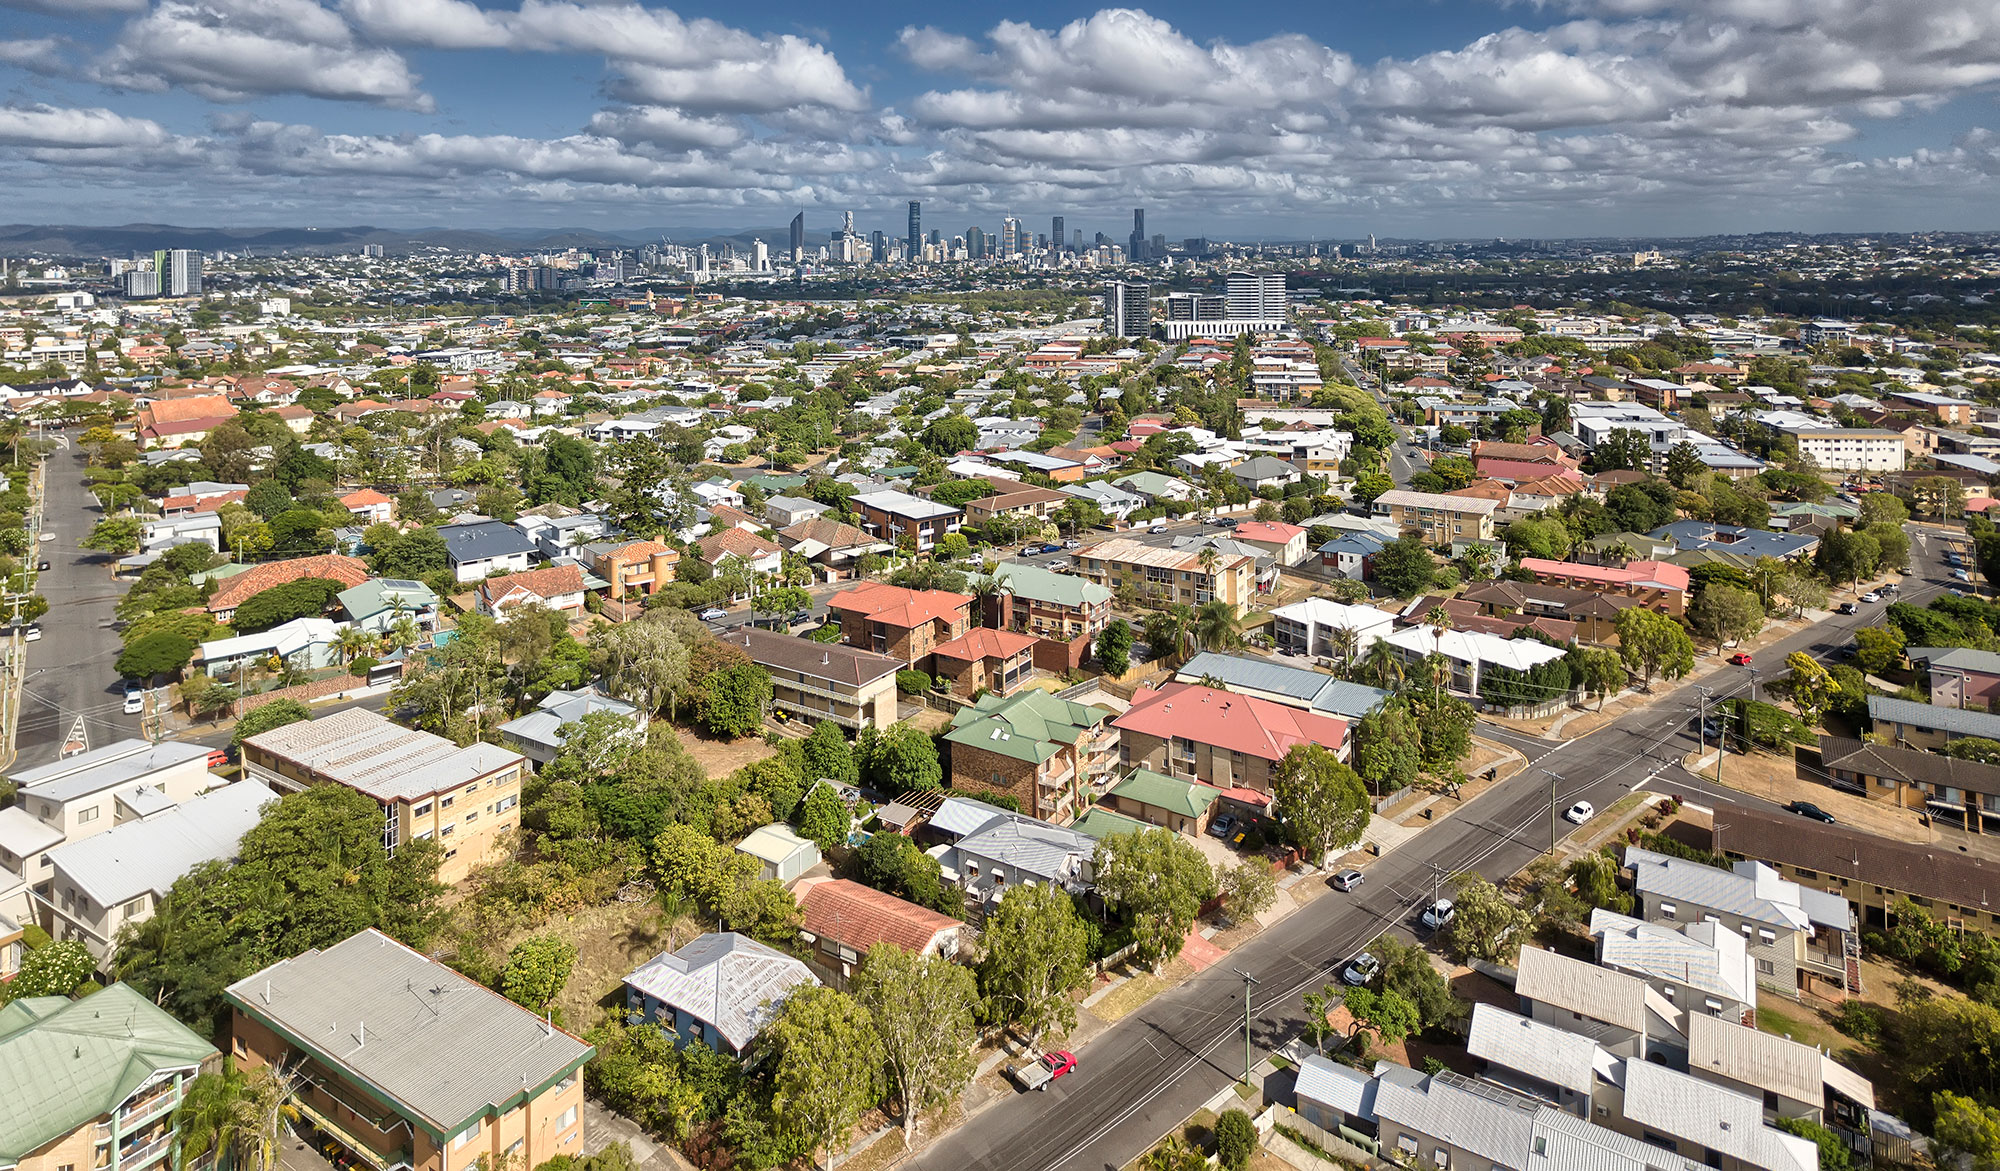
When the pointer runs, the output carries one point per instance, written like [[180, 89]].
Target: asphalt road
[[1145, 1074], [70, 671]]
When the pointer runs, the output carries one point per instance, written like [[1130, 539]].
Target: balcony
[[140, 1154], [161, 1098], [348, 1140], [1057, 780]]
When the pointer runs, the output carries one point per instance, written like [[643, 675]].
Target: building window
[[567, 1120], [423, 810], [458, 1144], [1766, 968], [1764, 936], [1406, 1143], [90, 814], [1667, 910], [447, 830], [446, 803]]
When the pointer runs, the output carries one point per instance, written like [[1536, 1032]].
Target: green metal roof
[[65, 1062], [1164, 792], [1101, 823], [1056, 589], [1029, 726]]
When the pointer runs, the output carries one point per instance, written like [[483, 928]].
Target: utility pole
[[1553, 778], [1248, 980]]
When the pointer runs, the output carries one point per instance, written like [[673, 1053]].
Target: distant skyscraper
[[1135, 249], [975, 243], [1076, 240], [179, 270], [760, 256], [798, 237], [916, 237], [878, 247], [847, 223], [1011, 243], [1128, 309], [1056, 232], [1257, 296], [935, 238]]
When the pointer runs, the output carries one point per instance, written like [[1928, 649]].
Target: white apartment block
[[1845, 449]]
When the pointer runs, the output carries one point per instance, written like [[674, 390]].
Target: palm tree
[[1166, 631], [987, 590], [1215, 626], [1208, 559], [1619, 551], [351, 641], [1342, 642], [238, 1113], [1383, 665], [403, 633], [1439, 620], [1437, 668]]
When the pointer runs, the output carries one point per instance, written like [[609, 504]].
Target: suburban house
[[1023, 503], [1542, 1060], [236, 589], [376, 604], [87, 794], [1065, 613], [754, 553], [93, 1082], [907, 625], [824, 681], [182, 422], [1793, 1080], [1230, 741], [404, 1062], [557, 588], [428, 787], [903, 520], [1656, 585], [982, 659], [1620, 1012], [844, 919], [1470, 652], [1923, 725], [833, 545], [1299, 687], [1161, 800], [785, 511], [1801, 938], [1352, 555], [1168, 576], [1005, 850], [1593, 614], [1318, 626], [1702, 968], [1960, 676], [721, 990], [539, 734], [369, 506], [1266, 471], [482, 548], [1157, 487], [635, 567], [1286, 543], [100, 883], [1043, 751], [1442, 520]]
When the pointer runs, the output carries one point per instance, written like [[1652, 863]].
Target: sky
[[1334, 119]]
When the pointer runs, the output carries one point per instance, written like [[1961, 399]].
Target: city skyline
[[1562, 118]]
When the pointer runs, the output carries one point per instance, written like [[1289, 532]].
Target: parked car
[[1059, 563], [1072, 543], [1808, 809], [1361, 969], [1222, 826], [1847, 608], [1037, 1074], [31, 633], [1439, 913], [1740, 658], [1226, 522], [1960, 575], [1580, 812], [1051, 547], [217, 757], [714, 614], [135, 697], [1156, 530], [1347, 879], [47, 537], [1871, 596], [42, 567]]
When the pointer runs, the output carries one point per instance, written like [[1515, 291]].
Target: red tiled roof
[[184, 410], [738, 542], [898, 606], [1242, 723], [547, 582], [861, 916], [984, 643], [1268, 531], [363, 499], [1634, 573], [1514, 469], [210, 503], [348, 571]]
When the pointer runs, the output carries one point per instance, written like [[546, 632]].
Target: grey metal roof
[[1543, 1052], [1490, 1122], [963, 815], [1342, 1087], [558, 709], [1564, 1142], [728, 981], [22, 833], [129, 860], [1884, 709], [1695, 954], [1302, 686], [363, 750], [1670, 1102], [1751, 891], [482, 539], [1033, 847], [105, 768], [440, 1047]]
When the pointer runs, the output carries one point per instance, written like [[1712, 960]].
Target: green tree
[[894, 863], [266, 716], [823, 817], [163, 652], [57, 968], [1881, 508], [1834, 1154], [1600, 671], [1155, 880], [950, 434], [1248, 888], [1321, 802], [828, 1068], [1114, 647], [1962, 1130], [1542, 536], [1036, 952], [902, 760], [1725, 613], [1651, 643], [1387, 1013], [1388, 749], [828, 755], [923, 1010], [1683, 464], [1484, 924], [732, 701], [1235, 1140], [119, 534], [1847, 556], [1404, 567], [537, 968]]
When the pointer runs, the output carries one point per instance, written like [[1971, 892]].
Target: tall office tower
[[935, 238], [179, 270], [975, 243], [1076, 240], [1157, 248], [1135, 250], [916, 237], [1010, 237], [1056, 232], [1128, 309], [798, 237], [847, 223], [878, 247], [1256, 296], [760, 256]]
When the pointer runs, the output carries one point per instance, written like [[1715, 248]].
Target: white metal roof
[[138, 857]]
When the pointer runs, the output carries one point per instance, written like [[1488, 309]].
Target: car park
[[1439, 914], [1740, 659], [1808, 809], [1580, 812], [1347, 879], [1361, 969]]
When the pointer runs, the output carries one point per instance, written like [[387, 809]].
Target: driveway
[[69, 671]]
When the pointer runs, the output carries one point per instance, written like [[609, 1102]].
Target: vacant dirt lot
[[722, 757]]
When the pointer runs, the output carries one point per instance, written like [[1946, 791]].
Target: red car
[[1038, 1074], [1740, 658]]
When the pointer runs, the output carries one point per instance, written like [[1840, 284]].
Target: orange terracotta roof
[[348, 571], [547, 582], [738, 542], [900, 607], [984, 643], [861, 916], [363, 499]]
